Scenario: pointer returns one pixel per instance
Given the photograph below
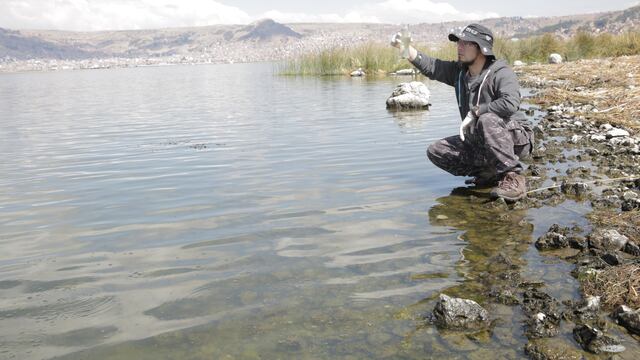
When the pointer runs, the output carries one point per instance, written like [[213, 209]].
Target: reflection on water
[[221, 211]]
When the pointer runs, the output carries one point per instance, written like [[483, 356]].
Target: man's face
[[467, 51]]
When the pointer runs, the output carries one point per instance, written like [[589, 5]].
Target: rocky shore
[[587, 151]]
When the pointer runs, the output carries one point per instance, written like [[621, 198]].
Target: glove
[[396, 41], [468, 122]]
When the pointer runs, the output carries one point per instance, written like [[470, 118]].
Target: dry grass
[[612, 85], [618, 285]]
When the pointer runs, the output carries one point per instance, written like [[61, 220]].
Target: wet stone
[[535, 301], [554, 238], [541, 326], [577, 189], [551, 349], [459, 314], [628, 318], [595, 341]]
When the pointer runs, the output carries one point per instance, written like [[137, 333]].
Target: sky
[[92, 15]]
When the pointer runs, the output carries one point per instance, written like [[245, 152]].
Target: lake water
[[209, 212]]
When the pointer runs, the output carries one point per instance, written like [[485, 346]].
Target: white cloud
[[145, 14], [116, 14]]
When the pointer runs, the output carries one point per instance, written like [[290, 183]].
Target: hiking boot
[[512, 187]]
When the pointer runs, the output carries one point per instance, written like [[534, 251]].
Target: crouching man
[[494, 134]]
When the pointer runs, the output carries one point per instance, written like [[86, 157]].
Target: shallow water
[[224, 212]]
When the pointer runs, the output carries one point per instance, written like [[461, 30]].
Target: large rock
[[628, 318], [555, 59], [412, 95], [406, 72], [460, 314], [595, 341], [607, 240], [518, 63]]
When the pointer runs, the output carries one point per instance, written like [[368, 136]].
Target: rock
[[575, 139], [535, 301], [629, 195], [606, 127], [504, 296], [541, 326], [628, 318], [595, 341], [406, 72], [630, 204], [598, 137], [631, 248], [551, 349], [413, 95], [357, 73], [577, 189], [555, 59], [587, 309], [616, 132], [551, 240], [578, 242], [456, 313], [612, 258], [607, 239], [518, 63]]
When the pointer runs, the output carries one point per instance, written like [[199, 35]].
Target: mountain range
[[269, 40]]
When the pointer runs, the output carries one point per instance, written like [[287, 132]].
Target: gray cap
[[476, 33]]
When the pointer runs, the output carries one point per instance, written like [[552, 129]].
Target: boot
[[512, 187]]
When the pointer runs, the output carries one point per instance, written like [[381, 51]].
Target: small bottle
[[405, 41]]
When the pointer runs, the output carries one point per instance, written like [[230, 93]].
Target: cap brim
[[453, 37]]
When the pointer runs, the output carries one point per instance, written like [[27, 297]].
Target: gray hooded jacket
[[497, 86]]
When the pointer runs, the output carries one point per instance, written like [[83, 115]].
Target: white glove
[[468, 122], [396, 40]]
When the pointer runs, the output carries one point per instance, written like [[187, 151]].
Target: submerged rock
[[457, 313], [595, 341], [551, 349], [541, 326], [577, 189], [609, 239], [412, 95], [628, 318]]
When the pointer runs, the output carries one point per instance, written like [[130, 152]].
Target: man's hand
[[397, 43], [468, 122]]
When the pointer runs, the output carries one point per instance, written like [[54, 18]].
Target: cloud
[[116, 14], [388, 11], [148, 14]]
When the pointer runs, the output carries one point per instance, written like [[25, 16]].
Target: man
[[494, 134]]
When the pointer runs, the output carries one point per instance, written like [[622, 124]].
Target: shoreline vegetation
[[382, 59]]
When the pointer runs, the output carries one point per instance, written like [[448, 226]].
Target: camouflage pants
[[494, 148]]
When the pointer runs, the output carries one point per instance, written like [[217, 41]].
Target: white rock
[[357, 73], [598, 137], [406, 72], [518, 63], [606, 127], [578, 123], [412, 95], [555, 59], [575, 139], [616, 132]]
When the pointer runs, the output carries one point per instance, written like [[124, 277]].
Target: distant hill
[[269, 40]]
